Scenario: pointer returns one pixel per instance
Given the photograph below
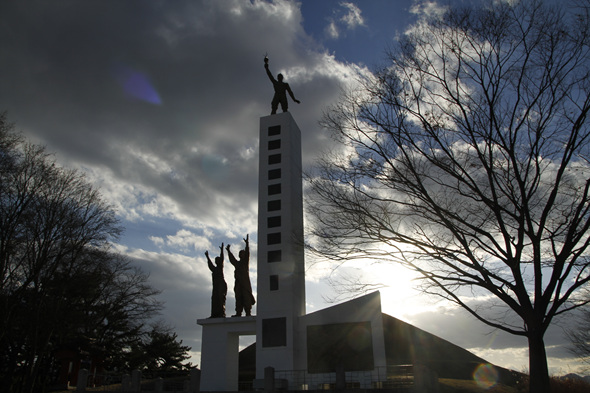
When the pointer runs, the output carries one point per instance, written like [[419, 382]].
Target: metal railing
[[400, 376]]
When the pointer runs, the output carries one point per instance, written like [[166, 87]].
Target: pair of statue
[[281, 90], [242, 286]]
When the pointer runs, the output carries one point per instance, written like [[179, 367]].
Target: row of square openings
[[273, 159], [274, 205]]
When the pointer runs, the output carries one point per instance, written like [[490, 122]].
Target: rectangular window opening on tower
[[274, 189], [273, 238], [274, 159], [274, 256], [273, 222], [274, 144], [274, 282], [272, 206], [274, 130], [274, 174]]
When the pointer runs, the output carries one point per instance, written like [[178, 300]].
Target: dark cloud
[[165, 95]]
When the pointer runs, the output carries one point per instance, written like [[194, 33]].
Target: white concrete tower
[[281, 265]]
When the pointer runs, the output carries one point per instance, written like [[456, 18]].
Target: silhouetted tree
[[61, 284], [158, 353], [466, 159], [164, 352]]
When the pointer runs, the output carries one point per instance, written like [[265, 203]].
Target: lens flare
[[136, 85], [485, 376]]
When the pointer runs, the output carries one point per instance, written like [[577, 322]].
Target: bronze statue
[[242, 287], [219, 285], [281, 90]]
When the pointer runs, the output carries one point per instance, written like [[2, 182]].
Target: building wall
[[349, 315]]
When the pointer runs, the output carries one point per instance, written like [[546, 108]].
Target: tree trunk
[[539, 372]]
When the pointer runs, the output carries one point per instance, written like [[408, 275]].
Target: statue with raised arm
[[219, 285], [281, 90], [242, 287]]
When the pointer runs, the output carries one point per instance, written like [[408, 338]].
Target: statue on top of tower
[[242, 287], [281, 90]]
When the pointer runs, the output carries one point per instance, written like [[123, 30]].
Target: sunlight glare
[[399, 296]]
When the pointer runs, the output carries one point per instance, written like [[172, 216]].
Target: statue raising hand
[[281, 89], [242, 288], [219, 292]]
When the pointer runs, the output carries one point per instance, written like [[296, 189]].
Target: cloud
[[429, 9], [332, 30], [187, 240], [194, 154], [454, 324], [353, 17], [346, 17]]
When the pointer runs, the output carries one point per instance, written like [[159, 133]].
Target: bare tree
[[466, 159], [61, 284], [579, 336]]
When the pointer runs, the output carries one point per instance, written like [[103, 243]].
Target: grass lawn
[[463, 386]]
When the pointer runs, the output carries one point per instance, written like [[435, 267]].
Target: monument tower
[[281, 266]]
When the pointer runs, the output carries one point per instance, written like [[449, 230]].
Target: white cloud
[[347, 17], [353, 17], [188, 241], [170, 270], [332, 30], [158, 241], [511, 358], [428, 9]]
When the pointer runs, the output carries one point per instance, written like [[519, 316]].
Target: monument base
[[220, 351]]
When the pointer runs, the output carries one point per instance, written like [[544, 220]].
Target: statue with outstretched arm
[[281, 90], [219, 292], [242, 287]]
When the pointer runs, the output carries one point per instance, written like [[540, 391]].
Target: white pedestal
[[220, 350]]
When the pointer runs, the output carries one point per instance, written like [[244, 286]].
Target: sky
[[159, 102]]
